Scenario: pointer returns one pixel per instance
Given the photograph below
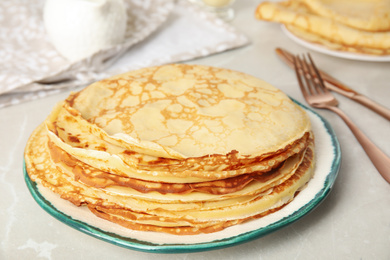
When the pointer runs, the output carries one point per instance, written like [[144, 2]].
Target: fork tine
[[312, 88], [298, 72], [320, 82], [308, 75], [303, 71]]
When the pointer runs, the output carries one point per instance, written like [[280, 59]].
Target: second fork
[[318, 96]]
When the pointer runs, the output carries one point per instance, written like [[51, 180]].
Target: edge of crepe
[[334, 52], [323, 149]]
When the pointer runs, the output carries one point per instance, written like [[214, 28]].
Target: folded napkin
[[158, 32]]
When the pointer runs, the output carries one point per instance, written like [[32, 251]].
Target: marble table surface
[[352, 223]]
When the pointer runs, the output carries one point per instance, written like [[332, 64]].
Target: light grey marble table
[[352, 223]]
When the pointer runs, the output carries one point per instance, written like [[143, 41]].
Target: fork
[[316, 95]]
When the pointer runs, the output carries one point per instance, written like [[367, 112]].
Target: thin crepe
[[331, 30]]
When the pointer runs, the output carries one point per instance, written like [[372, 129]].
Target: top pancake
[[183, 111]]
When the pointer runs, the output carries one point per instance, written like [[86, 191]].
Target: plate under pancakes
[[327, 165], [181, 149]]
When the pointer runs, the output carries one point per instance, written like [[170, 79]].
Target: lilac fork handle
[[380, 160]]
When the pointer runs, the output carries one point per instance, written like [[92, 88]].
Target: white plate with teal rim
[[328, 158], [341, 54]]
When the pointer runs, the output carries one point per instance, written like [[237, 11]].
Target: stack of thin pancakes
[[182, 149], [361, 26]]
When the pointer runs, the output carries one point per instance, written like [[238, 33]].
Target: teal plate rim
[[144, 246]]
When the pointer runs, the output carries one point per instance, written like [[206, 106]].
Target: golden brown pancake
[[99, 179], [368, 15], [362, 27], [261, 112], [221, 148], [313, 38], [192, 111], [132, 164], [177, 217]]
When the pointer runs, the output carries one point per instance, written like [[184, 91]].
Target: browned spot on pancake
[[128, 152], [73, 139]]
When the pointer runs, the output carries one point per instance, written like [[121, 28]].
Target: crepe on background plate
[[354, 26], [181, 149]]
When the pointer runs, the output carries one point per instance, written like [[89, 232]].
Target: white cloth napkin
[[159, 32]]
